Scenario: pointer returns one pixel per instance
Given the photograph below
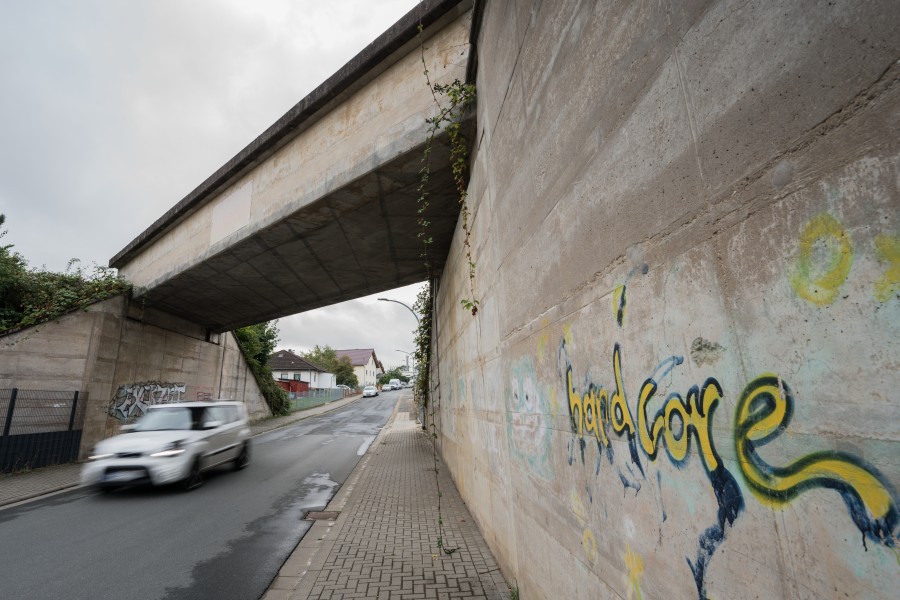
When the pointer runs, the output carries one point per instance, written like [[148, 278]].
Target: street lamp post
[[404, 305]]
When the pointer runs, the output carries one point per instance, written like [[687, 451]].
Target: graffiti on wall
[[762, 414], [887, 250], [205, 394], [826, 256], [596, 414], [823, 265], [132, 399], [528, 437]]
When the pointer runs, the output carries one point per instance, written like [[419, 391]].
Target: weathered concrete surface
[[122, 357], [682, 379], [323, 207]]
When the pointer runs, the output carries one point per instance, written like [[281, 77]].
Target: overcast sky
[[111, 111]]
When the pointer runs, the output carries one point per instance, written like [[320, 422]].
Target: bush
[[33, 296]]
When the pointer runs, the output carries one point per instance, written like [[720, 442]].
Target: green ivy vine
[[452, 101]]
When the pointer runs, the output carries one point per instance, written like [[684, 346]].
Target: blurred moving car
[[172, 443], [370, 390]]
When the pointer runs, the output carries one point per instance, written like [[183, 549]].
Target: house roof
[[285, 360], [359, 356]]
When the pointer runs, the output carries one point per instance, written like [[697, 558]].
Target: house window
[[296, 376]]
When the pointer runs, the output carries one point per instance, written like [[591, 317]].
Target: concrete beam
[[322, 207]]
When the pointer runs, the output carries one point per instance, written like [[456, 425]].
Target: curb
[[310, 553]]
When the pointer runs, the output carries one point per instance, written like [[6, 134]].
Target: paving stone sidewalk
[[383, 542], [18, 487]]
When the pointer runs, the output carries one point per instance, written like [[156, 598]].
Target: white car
[[172, 443], [370, 390]]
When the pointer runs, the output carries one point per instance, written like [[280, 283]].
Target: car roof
[[195, 404]]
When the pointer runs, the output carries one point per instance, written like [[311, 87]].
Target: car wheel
[[194, 478], [243, 459]]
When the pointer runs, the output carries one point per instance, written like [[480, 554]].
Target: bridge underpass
[[323, 207]]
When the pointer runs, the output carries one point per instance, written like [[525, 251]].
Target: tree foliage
[[33, 296], [423, 344], [327, 359], [392, 374], [257, 343]]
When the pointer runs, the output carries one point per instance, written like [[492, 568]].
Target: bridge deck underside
[[359, 240]]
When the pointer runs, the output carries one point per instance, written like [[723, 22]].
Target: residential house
[[365, 364], [287, 366]]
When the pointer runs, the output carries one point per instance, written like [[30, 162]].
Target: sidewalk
[[18, 487], [378, 536]]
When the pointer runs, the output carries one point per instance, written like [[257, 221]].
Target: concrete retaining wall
[[123, 363], [682, 379]]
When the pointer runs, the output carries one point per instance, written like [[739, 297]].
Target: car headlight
[[173, 449], [99, 456]]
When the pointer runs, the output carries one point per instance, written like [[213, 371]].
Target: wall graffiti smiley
[[528, 437]]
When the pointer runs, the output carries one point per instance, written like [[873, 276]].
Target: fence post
[[72, 415], [9, 411]]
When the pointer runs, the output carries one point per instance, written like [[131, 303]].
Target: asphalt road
[[225, 540]]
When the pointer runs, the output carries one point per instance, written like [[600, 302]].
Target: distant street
[[223, 541]]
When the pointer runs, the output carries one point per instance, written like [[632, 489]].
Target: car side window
[[216, 413]]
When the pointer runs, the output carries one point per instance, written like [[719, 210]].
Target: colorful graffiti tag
[[763, 413], [132, 399]]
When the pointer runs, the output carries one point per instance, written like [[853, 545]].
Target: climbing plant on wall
[[257, 343], [452, 101]]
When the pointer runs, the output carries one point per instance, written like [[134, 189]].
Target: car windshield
[[161, 419]]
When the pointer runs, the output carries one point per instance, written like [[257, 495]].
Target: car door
[[220, 435]]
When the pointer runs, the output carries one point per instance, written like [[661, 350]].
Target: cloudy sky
[[112, 111]]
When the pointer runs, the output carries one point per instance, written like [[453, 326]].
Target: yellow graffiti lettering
[[576, 406], [593, 400], [635, 565], [709, 397], [816, 282], [590, 546], [887, 249], [763, 413], [693, 415], [586, 411], [676, 443], [619, 413], [618, 302], [648, 436]]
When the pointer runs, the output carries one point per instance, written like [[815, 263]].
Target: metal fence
[[315, 397], [40, 428]]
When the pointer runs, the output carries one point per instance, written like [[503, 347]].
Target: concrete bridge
[[323, 206]]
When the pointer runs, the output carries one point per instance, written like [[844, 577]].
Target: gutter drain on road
[[328, 515]]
